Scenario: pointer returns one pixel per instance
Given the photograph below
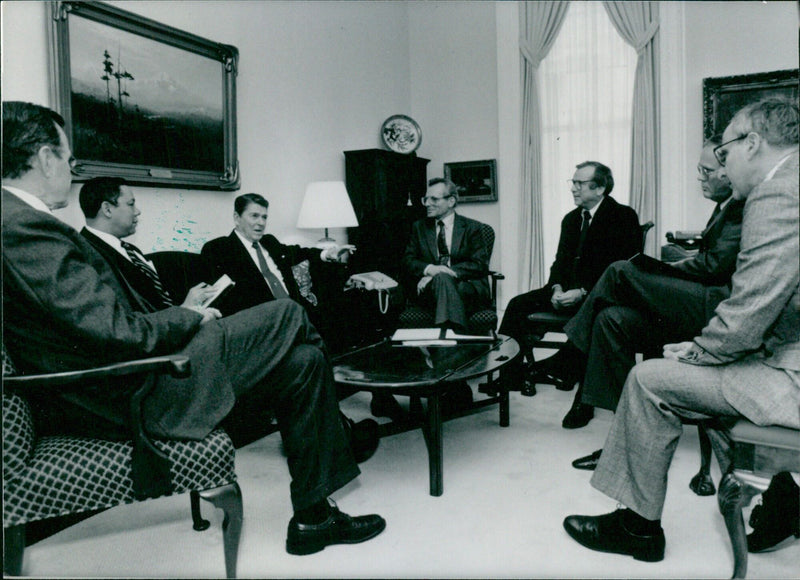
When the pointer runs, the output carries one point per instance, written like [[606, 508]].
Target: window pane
[[586, 92]]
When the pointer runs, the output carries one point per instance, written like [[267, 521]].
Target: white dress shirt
[[248, 245]]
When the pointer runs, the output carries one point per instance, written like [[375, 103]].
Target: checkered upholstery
[[52, 476], [481, 321]]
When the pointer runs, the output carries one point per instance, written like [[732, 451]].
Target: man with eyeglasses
[[638, 307], [744, 363], [447, 259], [596, 233]]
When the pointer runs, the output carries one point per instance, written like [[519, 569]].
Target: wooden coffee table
[[425, 373]]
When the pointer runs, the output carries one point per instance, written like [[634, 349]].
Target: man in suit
[[65, 309], [633, 309], [744, 363], [596, 233], [447, 259], [262, 267]]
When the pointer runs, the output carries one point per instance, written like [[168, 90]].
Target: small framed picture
[[476, 180]]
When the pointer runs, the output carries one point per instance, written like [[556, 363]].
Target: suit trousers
[[269, 356], [450, 299], [658, 395], [631, 311], [516, 325]]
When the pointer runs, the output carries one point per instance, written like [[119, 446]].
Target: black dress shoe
[[385, 405], [546, 377], [607, 533], [777, 518], [339, 528], [589, 463], [528, 387], [363, 437], [578, 416]]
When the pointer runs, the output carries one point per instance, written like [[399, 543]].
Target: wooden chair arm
[[175, 365]]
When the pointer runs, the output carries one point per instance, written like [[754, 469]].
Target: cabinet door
[[385, 188]]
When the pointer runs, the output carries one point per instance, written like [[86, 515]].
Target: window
[[586, 92]]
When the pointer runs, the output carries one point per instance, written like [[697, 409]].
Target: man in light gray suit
[[745, 362], [65, 309]]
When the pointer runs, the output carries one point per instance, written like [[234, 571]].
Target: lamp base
[[325, 242]]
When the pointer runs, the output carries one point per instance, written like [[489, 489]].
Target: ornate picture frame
[[723, 96], [477, 180], [142, 100]]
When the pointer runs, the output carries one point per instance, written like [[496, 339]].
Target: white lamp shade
[[326, 205]]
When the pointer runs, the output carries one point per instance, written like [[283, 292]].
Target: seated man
[[447, 259], [111, 214], [744, 363], [262, 267], [65, 309], [633, 309], [596, 233]]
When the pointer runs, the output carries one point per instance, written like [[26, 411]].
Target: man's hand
[[208, 314], [424, 281], [434, 269], [197, 295], [337, 253], [566, 299], [677, 351]]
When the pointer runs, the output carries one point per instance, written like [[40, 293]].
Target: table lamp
[[326, 204]]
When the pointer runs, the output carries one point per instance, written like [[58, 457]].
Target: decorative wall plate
[[401, 134]]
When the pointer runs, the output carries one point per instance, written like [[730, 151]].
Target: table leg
[[434, 440], [503, 405]]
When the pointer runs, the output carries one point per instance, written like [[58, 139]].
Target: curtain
[[637, 22], [539, 26]]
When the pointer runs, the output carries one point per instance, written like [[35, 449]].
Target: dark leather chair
[[482, 321]]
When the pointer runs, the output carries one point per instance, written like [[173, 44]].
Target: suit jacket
[[227, 255], [614, 234], [138, 282], [469, 256], [763, 310], [65, 309], [715, 261]]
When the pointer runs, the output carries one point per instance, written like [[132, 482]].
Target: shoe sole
[[307, 549]]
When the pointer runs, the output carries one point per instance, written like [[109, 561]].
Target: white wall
[[315, 79]]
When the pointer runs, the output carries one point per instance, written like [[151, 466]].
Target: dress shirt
[[448, 221], [248, 245], [594, 209], [30, 199], [116, 243]]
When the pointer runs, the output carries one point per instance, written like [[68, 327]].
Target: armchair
[[50, 476]]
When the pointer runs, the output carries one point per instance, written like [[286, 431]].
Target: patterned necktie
[[272, 280], [441, 244], [135, 255]]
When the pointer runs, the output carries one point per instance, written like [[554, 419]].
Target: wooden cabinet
[[385, 188]]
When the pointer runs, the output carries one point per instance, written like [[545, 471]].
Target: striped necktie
[[136, 257]]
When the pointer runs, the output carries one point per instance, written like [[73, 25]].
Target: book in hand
[[219, 287]]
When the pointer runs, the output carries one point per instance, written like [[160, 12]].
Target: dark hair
[[240, 203], [602, 175], [97, 190], [452, 188], [775, 119], [26, 129]]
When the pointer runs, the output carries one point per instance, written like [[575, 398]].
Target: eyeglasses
[[704, 171], [579, 182], [722, 154], [433, 199]]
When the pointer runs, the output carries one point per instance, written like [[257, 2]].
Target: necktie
[[272, 280], [587, 217], [135, 255], [441, 244]]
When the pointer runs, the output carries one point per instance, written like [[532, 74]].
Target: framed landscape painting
[[723, 96], [143, 100]]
